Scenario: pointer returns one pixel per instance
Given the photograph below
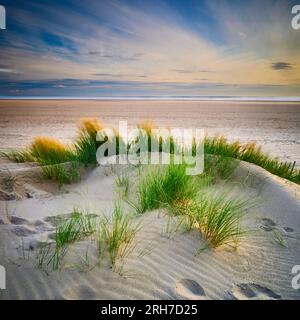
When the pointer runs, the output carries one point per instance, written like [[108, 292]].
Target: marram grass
[[79, 226], [217, 217], [163, 185], [48, 151], [253, 154], [116, 235]]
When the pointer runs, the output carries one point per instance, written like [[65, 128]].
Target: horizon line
[[162, 98]]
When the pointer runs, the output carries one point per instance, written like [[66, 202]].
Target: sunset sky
[[145, 48]]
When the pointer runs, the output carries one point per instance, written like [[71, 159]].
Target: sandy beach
[[149, 150], [165, 263], [273, 125]]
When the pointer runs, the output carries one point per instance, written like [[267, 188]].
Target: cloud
[[4, 70], [145, 43], [281, 65]]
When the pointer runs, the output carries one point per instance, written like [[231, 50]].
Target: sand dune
[[163, 264]]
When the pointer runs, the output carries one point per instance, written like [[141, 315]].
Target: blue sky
[[144, 48]]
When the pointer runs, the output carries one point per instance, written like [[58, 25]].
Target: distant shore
[[164, 98]]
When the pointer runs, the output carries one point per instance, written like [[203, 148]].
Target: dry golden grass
[[90, 126], [49, 150], [45, 144], [147, 126]]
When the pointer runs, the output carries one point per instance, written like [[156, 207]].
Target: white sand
[[161, 265]]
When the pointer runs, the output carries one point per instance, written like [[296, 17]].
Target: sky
[[104, 48]]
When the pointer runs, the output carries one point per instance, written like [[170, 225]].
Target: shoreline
[[188, 99]]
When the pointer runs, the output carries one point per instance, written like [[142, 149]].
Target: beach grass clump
[[48, 151], [122, 182], [164, 186], [75, 228], [18, 156], [50, 256], [116, 234], [147, 126], [147, 137], [219, 145], [86, 144], [162, 140], [217, 217], [92, 135], [217, 167], [63, 173], [251, 153]]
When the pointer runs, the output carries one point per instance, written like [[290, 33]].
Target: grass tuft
[[253, 154], [75, 228], [116, 234], [147, 126], [217, 217], [86, 144], [164, 186], [62, 173], [122, 182], [79, 226], [48, 151], [18, 156]]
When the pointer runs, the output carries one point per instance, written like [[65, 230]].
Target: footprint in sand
[[80, 293], [251, 291], [288, 229], [23, 231], [267, 224], [43, 226], [17, 220], [190, 290]]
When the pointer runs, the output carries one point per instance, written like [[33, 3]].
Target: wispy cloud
[[281, 65], [153, 43]]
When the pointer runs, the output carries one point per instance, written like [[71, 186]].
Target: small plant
[[253, 154], [75, 228], [122, 182], [10, 181], [217, 167], [19, 156], [116, 235], [86, 144], [147, 126], [172, 227], [278, 238], [62, 173], [165, 186], [50, 256], [218, 218], [47, 151]]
